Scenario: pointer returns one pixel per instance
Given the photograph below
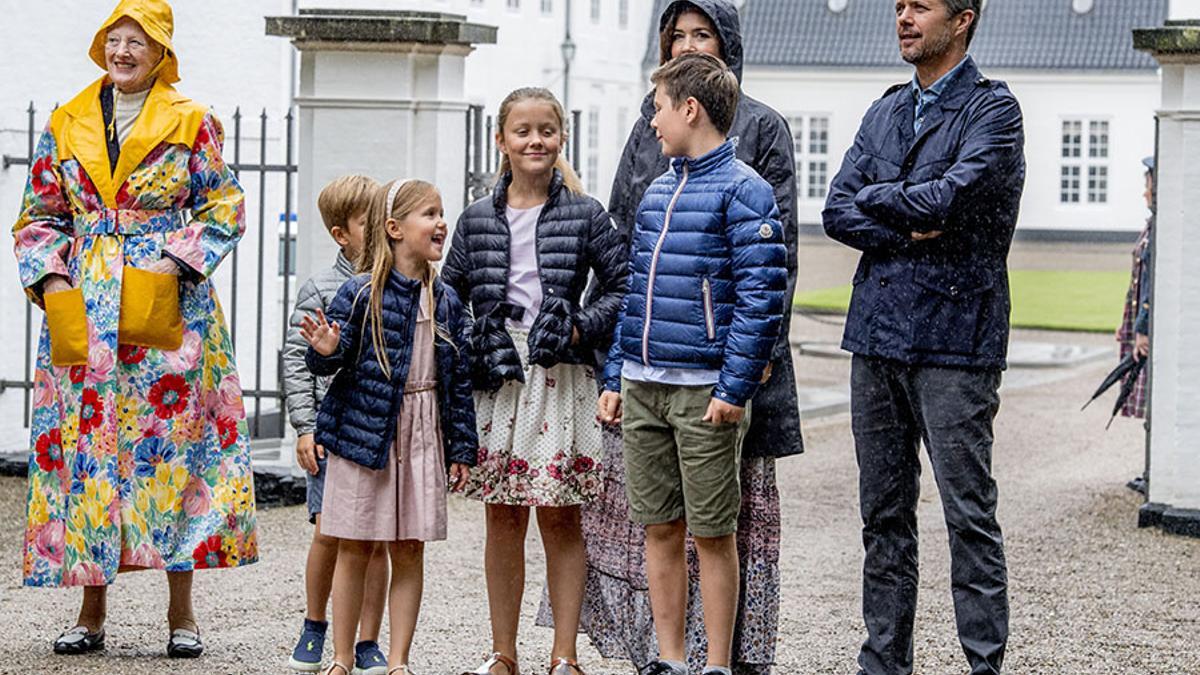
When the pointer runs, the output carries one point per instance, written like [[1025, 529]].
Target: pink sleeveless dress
[[406, 500]]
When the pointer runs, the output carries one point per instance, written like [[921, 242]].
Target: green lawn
[[1052, 300]]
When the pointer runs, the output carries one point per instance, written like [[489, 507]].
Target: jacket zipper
[[654, 267], [710, 322]]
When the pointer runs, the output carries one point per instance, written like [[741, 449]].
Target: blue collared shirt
[[926, 97]]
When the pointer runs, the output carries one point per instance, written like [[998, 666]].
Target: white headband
[[391, 196]]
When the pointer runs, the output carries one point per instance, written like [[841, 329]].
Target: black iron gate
[[258, 179]]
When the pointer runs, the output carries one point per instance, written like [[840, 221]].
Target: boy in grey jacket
[[344, 205]]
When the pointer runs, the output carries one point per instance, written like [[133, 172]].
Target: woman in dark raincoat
[[616, 610]]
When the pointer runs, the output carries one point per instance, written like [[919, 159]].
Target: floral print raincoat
[[140, 455]]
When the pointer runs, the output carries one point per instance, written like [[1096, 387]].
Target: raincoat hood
[[724, 16], [155, 17]]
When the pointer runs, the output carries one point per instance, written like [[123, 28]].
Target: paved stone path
[[1090, 592]]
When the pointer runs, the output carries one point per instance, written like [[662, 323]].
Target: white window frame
[[810, 141], [591, 179], [1085, 161]]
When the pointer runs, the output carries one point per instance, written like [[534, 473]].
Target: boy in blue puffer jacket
[[707, 287]]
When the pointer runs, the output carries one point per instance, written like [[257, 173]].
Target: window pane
[[514, 4], [547, 6], [818, 179], [623, 13], [1098, 184], [1072, 138], [593, 168], [1069, 185], [593, 130], [818, 136], [1098, 139], [595, 10]]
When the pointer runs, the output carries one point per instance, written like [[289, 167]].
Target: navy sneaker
[[306, 657], [369, 659]]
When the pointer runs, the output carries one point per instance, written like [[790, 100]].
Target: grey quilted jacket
[[304, 390]]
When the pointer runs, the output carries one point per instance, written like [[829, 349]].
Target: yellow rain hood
[[155, 17]]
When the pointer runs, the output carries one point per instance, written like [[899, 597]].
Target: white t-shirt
[[524, 284]]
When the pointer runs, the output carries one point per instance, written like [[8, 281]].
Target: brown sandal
[[565, 666], [335, 664], [494, 659]]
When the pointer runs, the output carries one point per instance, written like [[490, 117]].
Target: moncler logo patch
[[766, 231]]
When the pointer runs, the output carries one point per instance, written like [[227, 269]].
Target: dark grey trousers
[[893, 408]]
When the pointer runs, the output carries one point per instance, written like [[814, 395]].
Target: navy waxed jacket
[[942, 301], [707, 275], [357, 417]]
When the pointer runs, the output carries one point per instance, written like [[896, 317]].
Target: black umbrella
[[1126, 389], [1127, 364], [1127, 371]]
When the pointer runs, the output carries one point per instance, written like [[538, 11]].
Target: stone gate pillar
[[381, 93], [1174, 444]]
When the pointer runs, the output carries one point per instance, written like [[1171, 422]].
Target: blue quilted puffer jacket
[[708, 275], [357, 418]]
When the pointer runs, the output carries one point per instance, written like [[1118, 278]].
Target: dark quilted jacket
[[765, 143], [357, 418], [707, 276], [574, 236]]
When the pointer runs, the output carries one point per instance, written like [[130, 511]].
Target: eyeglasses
[[133, 44]]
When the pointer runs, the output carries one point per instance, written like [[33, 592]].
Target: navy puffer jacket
[[574, 236], [357, 418], [708, 276]]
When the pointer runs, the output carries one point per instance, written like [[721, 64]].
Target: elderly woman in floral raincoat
[[139, 446]]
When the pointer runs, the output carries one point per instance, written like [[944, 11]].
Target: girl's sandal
[[403, 669], [495, 659], [332, 666], [565, 666]]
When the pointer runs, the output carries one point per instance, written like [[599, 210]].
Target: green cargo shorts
[[678, 466]]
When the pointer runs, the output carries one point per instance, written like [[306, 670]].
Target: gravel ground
[[1090, 592]]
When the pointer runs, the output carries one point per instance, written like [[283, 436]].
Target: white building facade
[[1088, 98], [1085, 136]]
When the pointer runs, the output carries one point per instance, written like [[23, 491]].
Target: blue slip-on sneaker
[[306, 657], [369, 659]]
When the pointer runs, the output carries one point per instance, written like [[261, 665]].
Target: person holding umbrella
[[1134, 333]]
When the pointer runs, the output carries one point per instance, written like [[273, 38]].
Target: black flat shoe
[[79, 641], [184, 644]]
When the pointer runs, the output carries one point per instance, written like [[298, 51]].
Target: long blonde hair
[[570, 178], [378, 260]]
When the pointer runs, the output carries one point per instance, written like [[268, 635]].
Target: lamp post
[[568, 54]]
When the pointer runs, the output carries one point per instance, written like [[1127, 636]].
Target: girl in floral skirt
[[398, 415], [522, 258]]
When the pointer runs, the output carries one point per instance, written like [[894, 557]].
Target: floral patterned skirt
[[539, 442], [616, 605]]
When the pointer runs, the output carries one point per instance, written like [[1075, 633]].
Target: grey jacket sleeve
[[299, 384]]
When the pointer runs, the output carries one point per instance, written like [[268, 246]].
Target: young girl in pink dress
[[399, 420]]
